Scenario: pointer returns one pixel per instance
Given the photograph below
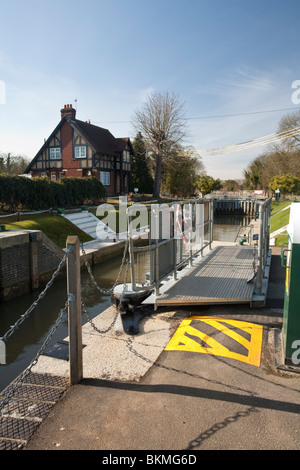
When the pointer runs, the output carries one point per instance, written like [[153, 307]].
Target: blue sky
[[220, 56]]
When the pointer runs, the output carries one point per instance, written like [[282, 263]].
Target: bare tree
[[280, 158], [13, 165], [290, 121], [161, 122]]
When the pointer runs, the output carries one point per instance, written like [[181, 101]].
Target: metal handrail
[[263, 240], [196, 231], [201, 230], [250, 232]]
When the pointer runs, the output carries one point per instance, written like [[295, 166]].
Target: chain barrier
[[26, 372], [84, 309], [34, 304], [101, 289], [101, 332], [13, 328], [20, 380], [20, 213]]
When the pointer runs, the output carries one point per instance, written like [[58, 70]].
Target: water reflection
[[226, 227], [24, 343]]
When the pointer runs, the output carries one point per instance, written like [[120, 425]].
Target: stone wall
[[27, 260]]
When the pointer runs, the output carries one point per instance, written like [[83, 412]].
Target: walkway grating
[[29, 405], [219, 277]]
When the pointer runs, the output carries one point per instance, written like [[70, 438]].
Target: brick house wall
[[79, 149]]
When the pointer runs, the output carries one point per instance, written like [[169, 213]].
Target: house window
[[43, 174], [55, 153], [53, 176], [80, 151], [126, 156], [61, 174], [105, 178]]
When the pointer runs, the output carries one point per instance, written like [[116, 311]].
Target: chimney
[[68, 111]]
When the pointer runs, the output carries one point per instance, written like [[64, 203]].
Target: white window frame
[[53, 176], [126, 156], [80, 151], [54, 153], [105, 178]]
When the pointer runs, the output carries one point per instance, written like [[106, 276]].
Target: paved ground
[[136, 395]]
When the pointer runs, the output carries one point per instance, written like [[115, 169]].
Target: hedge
[[21, 193]]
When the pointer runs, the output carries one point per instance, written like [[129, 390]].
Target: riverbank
[[55, 227]]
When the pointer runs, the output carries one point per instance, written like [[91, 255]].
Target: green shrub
[[20, 193]]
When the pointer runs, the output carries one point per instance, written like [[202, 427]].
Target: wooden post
[[74, 309]]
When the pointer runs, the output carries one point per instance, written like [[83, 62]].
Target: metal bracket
[[130, 320], [283, 251], [70, 249]]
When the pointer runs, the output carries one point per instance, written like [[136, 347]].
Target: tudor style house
[[77, 148]]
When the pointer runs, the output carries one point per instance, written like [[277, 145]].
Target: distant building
[[77, 148]]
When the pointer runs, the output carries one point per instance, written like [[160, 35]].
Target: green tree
[[287, 184], [13, 165], [206, 184], [231, 185], [140, 174], [254, 173], [182, 169]]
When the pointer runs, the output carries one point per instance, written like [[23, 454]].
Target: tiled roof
[[101, 139]]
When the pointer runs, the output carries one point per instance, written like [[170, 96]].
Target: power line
[[253, 144], [271, 138]]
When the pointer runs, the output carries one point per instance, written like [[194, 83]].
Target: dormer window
[[80, 151], [55, 153]]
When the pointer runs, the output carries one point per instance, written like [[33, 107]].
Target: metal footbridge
[[222, 276], [181, 265]]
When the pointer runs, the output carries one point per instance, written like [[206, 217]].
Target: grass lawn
[[282, 238], [55, 227], [280, 220], [278, 206]]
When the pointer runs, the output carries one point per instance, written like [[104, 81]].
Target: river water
[[25, 342]]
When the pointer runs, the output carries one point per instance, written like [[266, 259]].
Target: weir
[[236, 206]]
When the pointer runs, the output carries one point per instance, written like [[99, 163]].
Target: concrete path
[[136, 395]]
